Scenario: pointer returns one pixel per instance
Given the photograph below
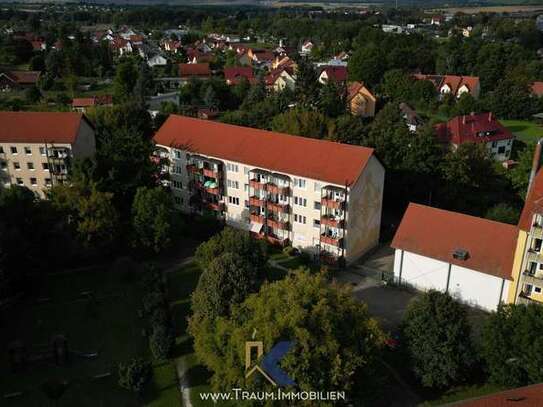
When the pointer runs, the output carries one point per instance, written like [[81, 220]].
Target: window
[[3, 165], [45, 166], [232, 167], [316, 223], [233, 200], [19, 181], [33, 181], [177, 169], [300, 201], [494, 144], [528, 288], [317, 205], [247, 204], [47, 182], [232, 184], [177, 184], [30, 166], [13, 150], [16, 165], [246, 170], [537, 289], [177, 200], [1, 150], [246, 187], [501, 150], [317, 187], [177, 154], [28, 151], [42, 150], [299, 219], [299, 182]]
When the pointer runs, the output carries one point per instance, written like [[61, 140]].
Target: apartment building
[[36, 148], [320, 196]]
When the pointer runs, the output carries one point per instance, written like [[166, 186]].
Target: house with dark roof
[[320, 196], [233, 75], [333, 73], [453, 84], [481, 128], [10, 80], [468, 257], [36, 148]]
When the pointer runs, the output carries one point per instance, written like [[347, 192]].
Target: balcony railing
[[332, 203], [210, 173], [276, 189], [278, 207], [193, 169], [332, 222], [253, 183], [255, 201], [277, 224], [334, 241], [257, 218], [218, 207]]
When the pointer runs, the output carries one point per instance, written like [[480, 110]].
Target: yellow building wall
[[516, 273]]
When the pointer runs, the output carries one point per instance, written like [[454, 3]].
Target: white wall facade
[[474, 288]]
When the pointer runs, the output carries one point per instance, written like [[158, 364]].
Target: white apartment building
[[36, 148], [320, 196]]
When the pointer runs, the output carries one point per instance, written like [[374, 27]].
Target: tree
[[91, 211], [503, 212], [511, 99], [162, 341], [145, 85], [37, 63], [334, 340], [332, 99], [397, 85], [226, 282], [350, 129], [134, 375], [306, 88], [512, 347], [367, 65], [519, 175], [32, 94], [125, 78], [235, 241], [437, 338], [305, 123], [152, 218], [465, 105]]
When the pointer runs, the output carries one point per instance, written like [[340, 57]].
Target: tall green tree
[[307, 123], [126, 75], [335, 342], [152, 218], [437, 337]]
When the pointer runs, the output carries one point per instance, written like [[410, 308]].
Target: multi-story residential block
[[320, 196], [36, 148]]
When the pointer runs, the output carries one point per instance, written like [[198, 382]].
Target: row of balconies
[[332, 240], [331, 221], [206, 172], [332, 203], [269, 187], [271, 206], [271, 222], [202, 187]]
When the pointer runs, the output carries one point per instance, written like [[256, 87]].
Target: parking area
[[386, 303]]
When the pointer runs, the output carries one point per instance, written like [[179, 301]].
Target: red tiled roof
[[92, 101], [533, 204], [436, 233], [328, 161], [186, 70], [276, 73], [40, 127], [537, 88], [233, 74], [354, 88], [528, 396], [335, 73], [24, 77], [454, 82], [466, 129]]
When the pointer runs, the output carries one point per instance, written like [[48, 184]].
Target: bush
[[290, 251], [162, 341], [160, 317], [153, 301], [134, 375]]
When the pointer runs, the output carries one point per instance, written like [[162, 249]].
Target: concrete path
[[184, 386]]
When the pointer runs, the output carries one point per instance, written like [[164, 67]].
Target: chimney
[[464, 119], [535, 164], [489, 117]]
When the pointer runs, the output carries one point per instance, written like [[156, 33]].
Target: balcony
[[193, 169], [257, 218], [253, 183], [278, 207], [331, 203], [536, 278], [277, 224], [331, 240], [537, 231], [218, 207], [275, 189], [276, 240], [255, 201], [210, 173], [208, 186], [332, 222]]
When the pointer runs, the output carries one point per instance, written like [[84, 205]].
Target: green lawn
[[109, 326], [525, 131]]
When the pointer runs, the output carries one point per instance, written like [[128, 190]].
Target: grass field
[[525, 131], [109, 325]]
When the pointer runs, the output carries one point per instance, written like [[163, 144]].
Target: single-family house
[[360, 101], [233, 75], [453, 84], [333, 73]]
